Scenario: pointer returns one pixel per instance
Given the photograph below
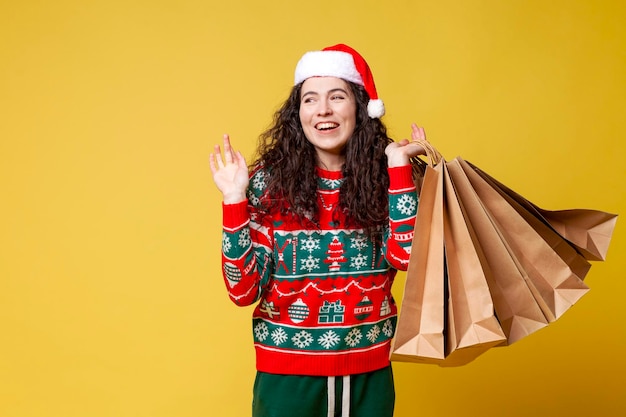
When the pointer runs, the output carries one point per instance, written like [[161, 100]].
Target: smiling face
[[328, 118]]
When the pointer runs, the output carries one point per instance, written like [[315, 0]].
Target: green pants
[[363, 395]]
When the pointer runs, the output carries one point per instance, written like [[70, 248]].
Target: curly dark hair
[[290, 161]]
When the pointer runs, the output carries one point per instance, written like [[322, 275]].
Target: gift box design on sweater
[[331, 312]]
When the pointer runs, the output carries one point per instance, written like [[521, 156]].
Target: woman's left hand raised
[[400, 153]]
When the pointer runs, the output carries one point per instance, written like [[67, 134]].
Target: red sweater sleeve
[[246, 253], [403, 202]]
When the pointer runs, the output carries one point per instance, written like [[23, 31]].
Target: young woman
[[314, 235]]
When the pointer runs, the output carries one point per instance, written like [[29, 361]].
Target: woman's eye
[[337, 97]]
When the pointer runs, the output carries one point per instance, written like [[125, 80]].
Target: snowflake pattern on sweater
[[324, 294]]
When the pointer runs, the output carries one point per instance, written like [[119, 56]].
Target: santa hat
[[343, 62]]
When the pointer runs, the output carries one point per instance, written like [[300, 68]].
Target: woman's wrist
[[397, 161], [234, 198]]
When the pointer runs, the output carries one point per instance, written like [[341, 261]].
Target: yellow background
[[111, 297]]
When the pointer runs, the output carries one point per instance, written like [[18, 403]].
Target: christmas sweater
[[324, 292]]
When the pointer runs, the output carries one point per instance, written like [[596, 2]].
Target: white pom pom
[[375, 109]]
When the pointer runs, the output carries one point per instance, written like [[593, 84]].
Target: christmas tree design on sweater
[[324, 293]]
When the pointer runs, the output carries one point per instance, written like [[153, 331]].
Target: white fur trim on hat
[[327, 64]]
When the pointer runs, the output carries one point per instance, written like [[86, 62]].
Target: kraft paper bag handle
[[433, 155], [419, 165]]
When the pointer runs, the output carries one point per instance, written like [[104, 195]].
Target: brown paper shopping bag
[[572, 257], [589, 231], [487, 266], [549, 262], [420, 329], [517, 310], [472, 325], [446, 315]]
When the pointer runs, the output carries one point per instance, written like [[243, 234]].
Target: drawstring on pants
[[345, 397]]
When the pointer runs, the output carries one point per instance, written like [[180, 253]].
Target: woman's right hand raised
[[230, 174]]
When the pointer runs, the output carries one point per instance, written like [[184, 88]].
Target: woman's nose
[[324, 108]]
